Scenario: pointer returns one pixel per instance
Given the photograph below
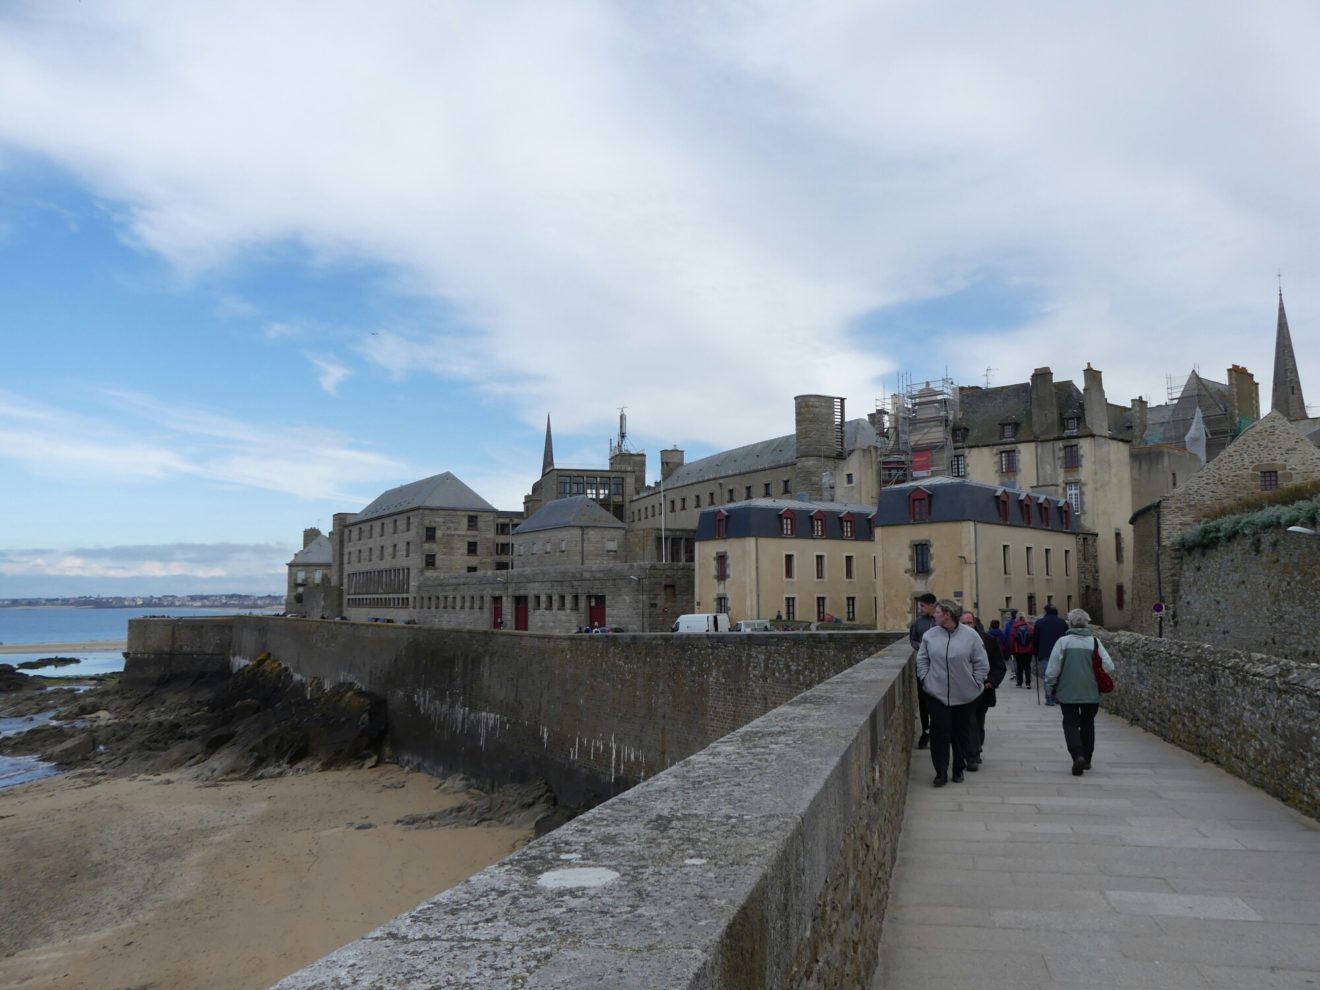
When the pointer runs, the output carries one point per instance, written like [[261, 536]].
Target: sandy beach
[[162, 882], [54, 648]]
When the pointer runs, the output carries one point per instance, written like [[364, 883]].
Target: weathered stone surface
[[762, 861]]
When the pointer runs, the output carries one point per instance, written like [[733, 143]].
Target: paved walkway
[[1153, 870]]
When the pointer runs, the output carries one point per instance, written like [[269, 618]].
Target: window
[[430, 534], [1008, 462], [786, 523], [790, 608], [1002, 498], [748, 490], [722, 604], [1119, 596], [848, 478], [820, 567], [850, 608], [394, 551], [846, 525], [300, 578], [1065, 515], [429, 561], [682, 503], [395, 524], [407, 548], [1072, 455], [817, 525], [788, 488], [731, 495], [820, 607], [960, 435], [1045, 513], [1031, 565], [696, 501], [1031, 604], [1024, 504], [1008, 431], [1067, 564], [1049, 569], [921, 558], [472, 548], [958, 465], [721, 567], [766, 491], [1175, 479], [1269, 481], [1008, 559], [472, 522], [919, 505], [710, 498], [721, 525], [671, 505], [1118, 547], [788, 567], [1071, 424], [1072, 493], [848, 569]]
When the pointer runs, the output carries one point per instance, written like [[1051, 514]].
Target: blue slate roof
[[440, 491], [960, 500], [577, 510], [762, 517]]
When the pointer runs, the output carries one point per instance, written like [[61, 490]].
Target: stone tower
[[820, 444], [1287, 398]]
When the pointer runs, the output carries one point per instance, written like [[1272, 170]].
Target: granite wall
[[1256, 716]]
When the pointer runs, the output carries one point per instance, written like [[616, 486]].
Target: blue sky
[[259, 262]]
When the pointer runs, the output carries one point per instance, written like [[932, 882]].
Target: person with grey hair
[[952, 669], [1070, 678]]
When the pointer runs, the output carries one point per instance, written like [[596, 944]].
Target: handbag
[[1102, 680]]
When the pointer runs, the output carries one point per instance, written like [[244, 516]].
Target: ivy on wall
[[1255, 522]]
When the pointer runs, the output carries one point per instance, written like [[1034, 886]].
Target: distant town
[[150, 601]]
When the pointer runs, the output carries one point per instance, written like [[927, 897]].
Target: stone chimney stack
[[1094, 406], [1139, 419], [819, 434], [1244, 397], [309, 536], [1044, 404], [670, 461]]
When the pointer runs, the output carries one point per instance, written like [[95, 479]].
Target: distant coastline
[[97, 645]]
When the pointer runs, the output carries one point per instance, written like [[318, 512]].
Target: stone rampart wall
[[762, 861], [1252, 593], [592, 715], [1256, 716]]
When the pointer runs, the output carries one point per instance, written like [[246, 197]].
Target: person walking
[[1049, 627], [1001, 637], [1070, 677], [952, 669], [998, 671], [924, 622], [1021, 640]]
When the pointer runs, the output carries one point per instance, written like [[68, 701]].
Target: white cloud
[[685, 211], [331, 372]]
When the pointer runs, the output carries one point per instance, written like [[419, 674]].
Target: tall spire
[[548, 458], [1287, 398]]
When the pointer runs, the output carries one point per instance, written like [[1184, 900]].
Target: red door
[[497, 613], [520, 612], [596, 611]]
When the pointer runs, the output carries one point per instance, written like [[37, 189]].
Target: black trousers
[[1079, 728], [982, 705], [923, 712], [952, 727], [1022, 667]]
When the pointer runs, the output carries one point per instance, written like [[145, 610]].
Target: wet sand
[[52, 649], [161, 882]]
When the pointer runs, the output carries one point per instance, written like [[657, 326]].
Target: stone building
[[426, 528], [1270, 454], [309, 591], [782, 558], [1203, 419], [991, 548]]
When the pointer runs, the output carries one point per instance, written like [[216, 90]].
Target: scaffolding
[[918, 427]]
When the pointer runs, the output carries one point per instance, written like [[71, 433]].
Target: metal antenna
[[987, 376]]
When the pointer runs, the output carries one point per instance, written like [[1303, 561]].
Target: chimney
[[670, 461], [309, 536], [1244, 397], [1094, 406], [1044, 404], [1139, 416]]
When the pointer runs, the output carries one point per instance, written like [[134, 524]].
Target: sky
[[261, 261]]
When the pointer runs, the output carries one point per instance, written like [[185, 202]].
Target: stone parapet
[[763, 860], [1256, 716]]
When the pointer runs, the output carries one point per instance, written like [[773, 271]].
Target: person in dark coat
[[998, 671], [923, 623], [1049, 627], [1021, 636]]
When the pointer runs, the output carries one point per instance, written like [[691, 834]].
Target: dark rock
[[48, 662]]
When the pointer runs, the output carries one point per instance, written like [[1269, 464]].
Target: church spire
[[1287, 398], [548, 458]]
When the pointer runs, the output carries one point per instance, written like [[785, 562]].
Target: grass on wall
[[1296, 505]]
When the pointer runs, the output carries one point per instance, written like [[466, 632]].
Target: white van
[[752, 625], [701, 622]]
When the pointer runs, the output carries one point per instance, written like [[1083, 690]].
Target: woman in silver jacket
[[952, 671], [1071, 679]]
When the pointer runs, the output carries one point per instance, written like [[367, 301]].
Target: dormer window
[[960, 434], [818, 524], [1045, 513], [847, 526], [1071, 424], [786, 523], [1008, 431], [1025, 503], [721, 525], [919, 505], [1065, 515], [1002, 499]]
